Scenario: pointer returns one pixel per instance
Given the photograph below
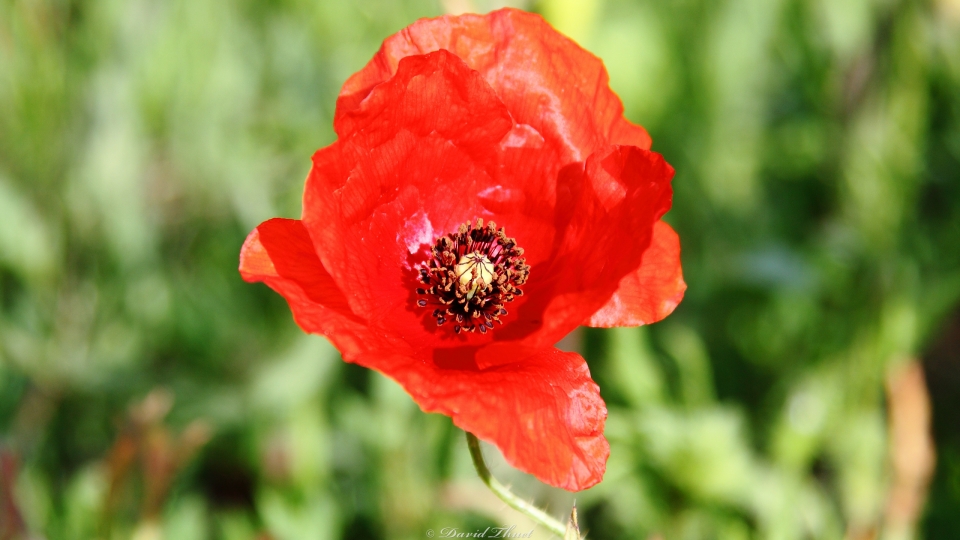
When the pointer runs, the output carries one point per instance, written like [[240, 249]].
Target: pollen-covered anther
[[470, 276]]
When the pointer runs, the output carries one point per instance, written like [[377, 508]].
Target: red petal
[[546, 80], [544, 412], [279, 253], [406, 170], [651, 292], [605, 215], [435, 94]]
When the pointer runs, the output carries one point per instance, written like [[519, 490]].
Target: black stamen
[[472, 273]]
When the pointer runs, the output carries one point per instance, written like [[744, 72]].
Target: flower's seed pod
[[474, 270]]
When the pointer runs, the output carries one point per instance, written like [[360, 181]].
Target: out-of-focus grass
[[146, 391]]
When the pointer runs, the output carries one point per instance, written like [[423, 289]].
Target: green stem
[[506, 495]]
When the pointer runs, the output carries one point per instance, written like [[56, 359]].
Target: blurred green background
[[147, 392]]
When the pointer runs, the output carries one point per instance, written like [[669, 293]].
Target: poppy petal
[[406, 170], [545, 79], [651, 292], [544, 413], [605, 215], [279, 253]]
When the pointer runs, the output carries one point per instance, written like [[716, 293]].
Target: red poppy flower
[[458, 122]]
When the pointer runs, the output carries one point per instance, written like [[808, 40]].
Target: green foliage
[[147, 392]]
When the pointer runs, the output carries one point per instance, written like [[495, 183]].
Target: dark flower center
[[471, 275]]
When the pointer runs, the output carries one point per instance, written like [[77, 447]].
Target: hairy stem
[[508, 496]]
